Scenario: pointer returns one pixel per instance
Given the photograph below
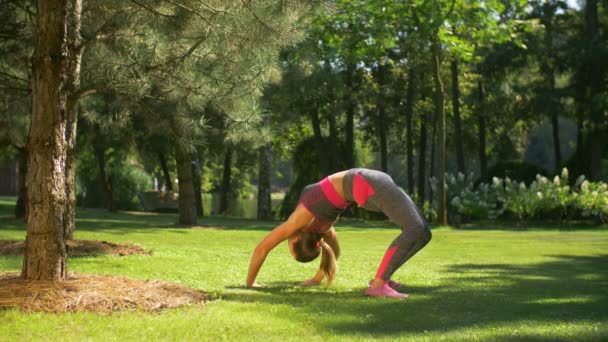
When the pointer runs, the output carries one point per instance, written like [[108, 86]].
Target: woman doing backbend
[[309, 229]]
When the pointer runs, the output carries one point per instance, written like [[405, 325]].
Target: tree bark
[[186, 200], [45, 246], [166, 173], [457, 119], [481, 125], [409, 119], [21, 205], [442, 215], [76, 50], [226, 178], [264, 211]]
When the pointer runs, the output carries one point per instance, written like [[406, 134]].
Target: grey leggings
[[385, 196]]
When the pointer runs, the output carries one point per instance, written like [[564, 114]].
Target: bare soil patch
[[94, 293], [79, 248]]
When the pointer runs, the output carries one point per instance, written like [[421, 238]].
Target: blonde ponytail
[[328, 262]]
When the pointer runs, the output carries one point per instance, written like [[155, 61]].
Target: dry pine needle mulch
[[94, 293], [79, 248]]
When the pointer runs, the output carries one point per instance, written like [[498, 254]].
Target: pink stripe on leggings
[[385, 260]]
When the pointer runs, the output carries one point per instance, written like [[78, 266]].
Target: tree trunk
[[596, 145], [21, 205], [196, 182], [45, 246], [264, 191], [226, 193], [442, 215], [186, 201], [333, 144], [547, 68], [481, 125], [556, 141], [349, 102], [165, 169], [103, 177], [422, 159], [409, 119], [458, 140], [319, 141], [382, 120], [433, 157]]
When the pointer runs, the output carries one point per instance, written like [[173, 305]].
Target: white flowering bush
[[591, 198], [542, 198], [554, 197], [468, 200], [517, 198]]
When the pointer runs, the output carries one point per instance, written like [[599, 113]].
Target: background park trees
[[227, 96]]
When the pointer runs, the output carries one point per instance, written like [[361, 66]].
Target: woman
[[309, 229]]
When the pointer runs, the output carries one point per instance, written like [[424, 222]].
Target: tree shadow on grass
[[568, 289]]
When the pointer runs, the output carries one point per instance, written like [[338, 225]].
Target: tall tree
[[47, 232]]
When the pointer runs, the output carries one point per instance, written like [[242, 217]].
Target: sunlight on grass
[[466, 285]]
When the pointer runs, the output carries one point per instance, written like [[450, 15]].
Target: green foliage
[[127, 181]]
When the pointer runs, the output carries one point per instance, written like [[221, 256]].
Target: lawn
[[474, 284]]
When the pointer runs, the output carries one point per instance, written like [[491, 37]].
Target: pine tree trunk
[[319, 141], [103, 177], [549, 76], [382, 121], [186, 200], [226, 178], [556, 141], [165, 169], [198, 192], [422, 159], [596, 145], [349, 103], [333, 143], [433, 157], [21, 205], [457, 119], [45, 247], [76, 51], [442, 215], [481, 125], [264, 211], [409, 119]]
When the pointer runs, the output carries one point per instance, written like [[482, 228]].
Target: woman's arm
[[298, 220]]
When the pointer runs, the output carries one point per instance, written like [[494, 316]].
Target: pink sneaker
[[392, 284], [384, 290], [395, 285]]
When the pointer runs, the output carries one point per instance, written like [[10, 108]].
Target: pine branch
[[152, 10], [14, 77]]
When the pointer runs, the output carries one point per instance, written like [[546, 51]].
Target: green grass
[[473, 284]]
